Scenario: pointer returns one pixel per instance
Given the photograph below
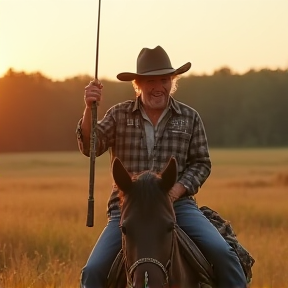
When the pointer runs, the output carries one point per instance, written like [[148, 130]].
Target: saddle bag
[[225, 229]]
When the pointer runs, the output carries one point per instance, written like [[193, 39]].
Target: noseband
[[153, 261], [149, 260]]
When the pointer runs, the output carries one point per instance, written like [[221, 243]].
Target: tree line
[[247, 110]]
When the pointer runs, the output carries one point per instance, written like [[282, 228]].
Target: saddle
[[188, 251]]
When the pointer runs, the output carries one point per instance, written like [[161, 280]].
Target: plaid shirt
[[182, 136]]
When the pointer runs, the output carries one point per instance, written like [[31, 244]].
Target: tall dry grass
[[43, 204]]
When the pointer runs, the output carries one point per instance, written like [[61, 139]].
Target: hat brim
[[128, 76]]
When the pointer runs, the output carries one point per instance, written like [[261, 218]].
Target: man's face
[[155, 91]]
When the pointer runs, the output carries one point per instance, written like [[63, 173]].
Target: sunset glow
[[58, 37]]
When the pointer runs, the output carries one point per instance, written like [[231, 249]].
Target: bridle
[[150, 260]]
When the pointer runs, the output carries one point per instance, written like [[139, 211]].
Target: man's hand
[[176, 191], [93, 92]]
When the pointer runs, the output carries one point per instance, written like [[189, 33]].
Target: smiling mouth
[[158, 95]]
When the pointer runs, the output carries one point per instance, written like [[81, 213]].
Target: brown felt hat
[[153, 62]]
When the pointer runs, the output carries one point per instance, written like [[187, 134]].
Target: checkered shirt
[[181, 134]]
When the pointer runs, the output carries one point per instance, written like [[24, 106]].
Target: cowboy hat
[[153, 62]]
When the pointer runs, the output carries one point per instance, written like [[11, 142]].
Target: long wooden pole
[[93, 138]]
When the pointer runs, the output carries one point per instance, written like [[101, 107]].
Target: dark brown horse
[[153, 254]]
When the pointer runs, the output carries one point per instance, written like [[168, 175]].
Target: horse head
[[147, 223]]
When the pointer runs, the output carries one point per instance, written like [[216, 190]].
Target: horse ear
[[169, 174], [121, 175]]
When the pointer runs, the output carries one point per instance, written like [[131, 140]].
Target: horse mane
[[146, 188]]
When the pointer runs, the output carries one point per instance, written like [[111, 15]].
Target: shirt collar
[[137, 104], [172, 104]]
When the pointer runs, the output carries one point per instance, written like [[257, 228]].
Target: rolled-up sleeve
[[198, 163], [105, 132]]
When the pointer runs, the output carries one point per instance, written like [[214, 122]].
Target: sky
[[58, 37]]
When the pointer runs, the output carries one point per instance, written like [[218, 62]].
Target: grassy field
[[44, 241]]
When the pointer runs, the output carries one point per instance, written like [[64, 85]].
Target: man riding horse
[[144, 134]]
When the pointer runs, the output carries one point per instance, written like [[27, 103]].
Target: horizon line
[[105, 77]]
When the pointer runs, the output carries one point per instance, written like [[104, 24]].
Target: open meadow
[[44, 241]]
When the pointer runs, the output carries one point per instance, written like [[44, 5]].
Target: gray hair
[[174, 86]]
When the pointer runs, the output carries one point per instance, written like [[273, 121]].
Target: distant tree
[[248, 110]]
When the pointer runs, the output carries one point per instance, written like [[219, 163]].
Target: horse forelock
[[145, 189]]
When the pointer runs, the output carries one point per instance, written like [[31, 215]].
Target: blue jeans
[[227, 268]]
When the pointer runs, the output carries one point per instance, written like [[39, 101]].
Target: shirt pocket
[[129, 141]]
